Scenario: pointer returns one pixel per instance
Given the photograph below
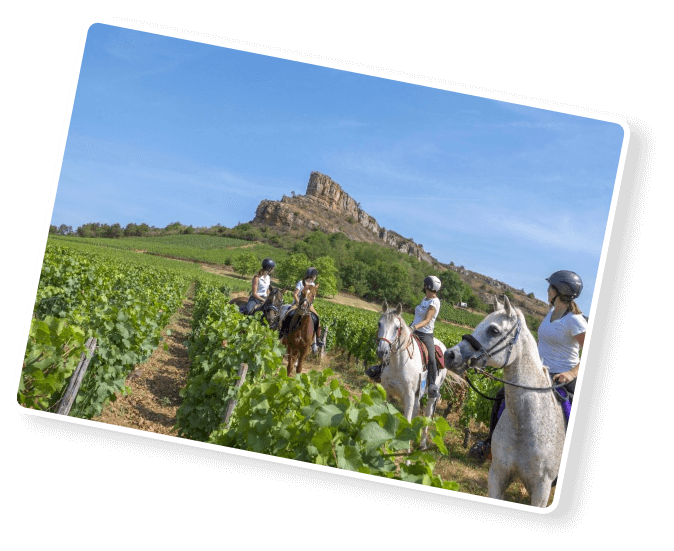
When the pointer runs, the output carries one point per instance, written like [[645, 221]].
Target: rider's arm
[[427, 319], [256, 280], [571, 374], [296, 294]]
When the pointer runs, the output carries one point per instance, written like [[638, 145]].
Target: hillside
[[327, 207]]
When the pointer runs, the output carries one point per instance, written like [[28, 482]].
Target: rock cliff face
[[328, 207]]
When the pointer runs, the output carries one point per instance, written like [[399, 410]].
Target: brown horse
[[270, 308], [301, 335]]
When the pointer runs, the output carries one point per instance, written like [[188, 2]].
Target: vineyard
[[125, 300]]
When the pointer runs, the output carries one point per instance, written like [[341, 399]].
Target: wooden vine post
[[325, 342], [76, 378], [243, 369]]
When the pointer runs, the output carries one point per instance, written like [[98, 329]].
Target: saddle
[[288, 327], [439, 356]]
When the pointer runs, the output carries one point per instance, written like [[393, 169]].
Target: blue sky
[[167, 130]]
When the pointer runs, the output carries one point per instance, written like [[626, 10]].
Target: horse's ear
[[399, 309], [384, 307], [497, 304], [508, 308]]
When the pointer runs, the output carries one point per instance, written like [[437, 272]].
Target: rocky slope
[[326, 206]]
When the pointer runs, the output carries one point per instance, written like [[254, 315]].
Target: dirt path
[[155, 384]]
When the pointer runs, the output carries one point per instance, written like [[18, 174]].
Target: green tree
[[355, 274], [246, 263], [327, 276], [292, 269], [389, 281], [453, 288]]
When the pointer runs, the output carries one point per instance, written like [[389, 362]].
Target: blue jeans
[[252, 303]]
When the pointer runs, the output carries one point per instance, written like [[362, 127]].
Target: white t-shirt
[[420, 314], [558, 349], [263, 283]]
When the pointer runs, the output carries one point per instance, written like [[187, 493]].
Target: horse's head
[[307, 296], [391, 329], [491, 343], [272, 307]]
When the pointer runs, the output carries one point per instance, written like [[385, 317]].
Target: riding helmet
[[268, 264], [567, 283], [432, 283], [311, 272]]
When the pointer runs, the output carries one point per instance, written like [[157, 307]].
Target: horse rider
[[561, 336], [425, 315], [424, 322], [309, 279], [260, 286]]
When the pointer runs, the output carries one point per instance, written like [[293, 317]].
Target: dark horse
[[270, 308], [300, 334]]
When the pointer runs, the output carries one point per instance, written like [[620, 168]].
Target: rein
[[483, 354]]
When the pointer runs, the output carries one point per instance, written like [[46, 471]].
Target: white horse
[[529, 437], [400, 354]]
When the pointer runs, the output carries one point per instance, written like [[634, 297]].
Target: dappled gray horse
[[529, 437], [401, 376]]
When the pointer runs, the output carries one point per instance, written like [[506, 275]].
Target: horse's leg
[[499, 480], [540, 493], [303, 355], [429, 409], [410, 405], [291, 361]]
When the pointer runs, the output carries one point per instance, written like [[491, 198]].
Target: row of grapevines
[[201, 248], [355, 330], [315, 419], [125, 306], [457, 315], [221, 340]]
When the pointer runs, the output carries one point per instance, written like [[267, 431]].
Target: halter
[[269, 305], [482, 354], [396, 340]]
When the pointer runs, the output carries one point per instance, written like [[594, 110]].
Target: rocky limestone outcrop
[[328, 207]]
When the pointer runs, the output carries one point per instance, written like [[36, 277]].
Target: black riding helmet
[[311, 272], [268, 264], [568, 284]]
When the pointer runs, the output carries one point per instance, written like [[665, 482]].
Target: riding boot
[[374, 372], [481, 450], [433, 391]]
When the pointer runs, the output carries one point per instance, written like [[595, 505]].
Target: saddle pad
[[286, 328], [439, 356]]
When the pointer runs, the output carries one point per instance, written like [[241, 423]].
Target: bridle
[[270, 306], [396, 344], [481, 356]]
